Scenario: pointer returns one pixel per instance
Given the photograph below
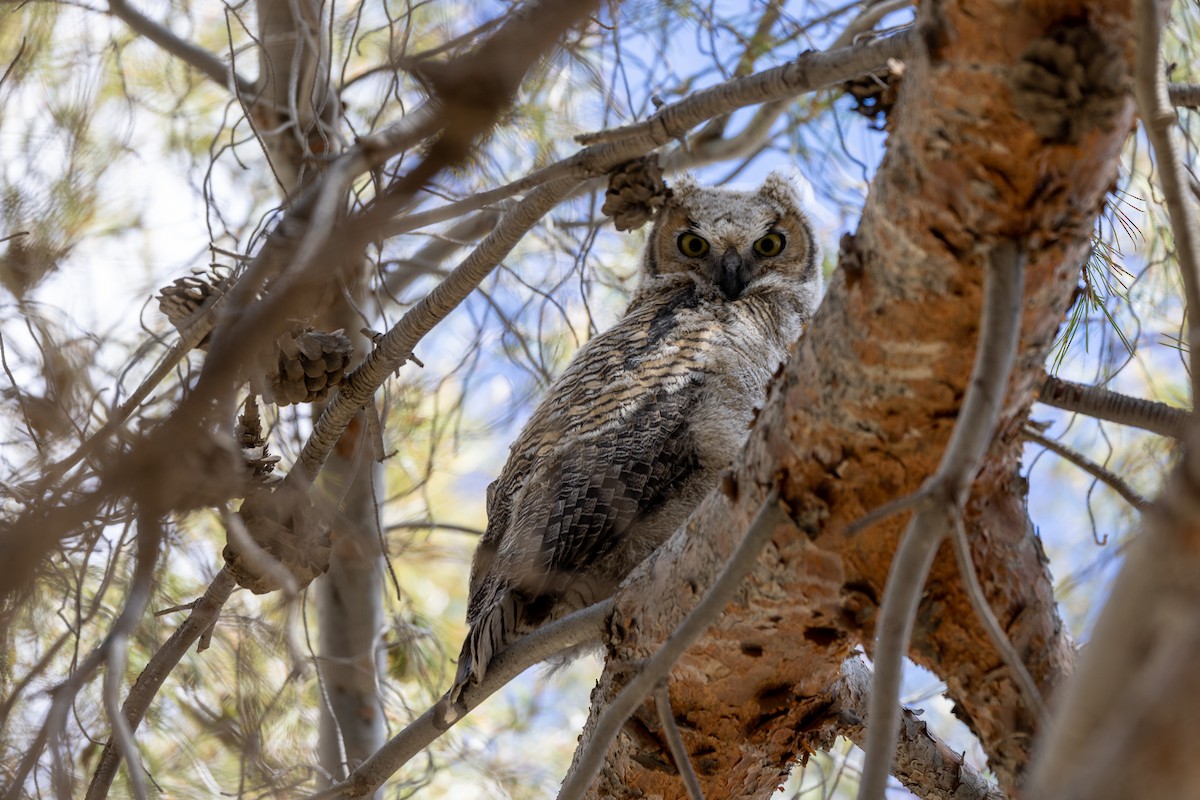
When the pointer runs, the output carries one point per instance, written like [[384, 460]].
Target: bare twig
[[1184, 94], [203, 616], [771, 514], [1101, 403], [122, 734], [867, 20], [606, 149], [683, 763], [1107, 476], [924, 764], [196, 57], [136, 600], [948, 487], [1154, 106], [584, 627], [966, 568]]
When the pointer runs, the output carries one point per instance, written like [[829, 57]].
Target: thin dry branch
[[924, 763], [1158, 117], [203, 616], [947, 489], [1184, 94], [1107, 476], [1101, 403], [966, 568], [196, 57], [606, 149], [588, 760], [581, 629], [683, 762], [868, 19]]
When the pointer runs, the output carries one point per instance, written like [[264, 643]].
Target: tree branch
[[867, 20], [1158, 118], [588, 759], [584, 627], [683, 762], [196, 57], [1101, 403], [1110, 478], [609, 148], [1184, 94], [923, 762], [201, 620], [947, 491]]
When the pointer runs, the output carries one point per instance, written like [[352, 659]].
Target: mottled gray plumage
[[634, 433]]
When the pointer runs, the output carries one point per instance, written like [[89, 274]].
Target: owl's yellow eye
[[691, 245], [770, 245]]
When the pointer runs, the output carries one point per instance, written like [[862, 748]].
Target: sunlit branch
[[203, 616], [1008, 654], [683, 762], [584, 627], [1158, 117], [1106, 476], [771, 514], [1101, 403], [947, 489], [609, 148], [196, 57], [923, 763]]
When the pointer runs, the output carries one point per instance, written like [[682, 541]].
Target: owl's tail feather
[[488, 635]]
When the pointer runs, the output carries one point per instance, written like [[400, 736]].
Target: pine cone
[[307, 365], [183, 300], [288, 538], [1069, 82], [635, 192], [255, 451]]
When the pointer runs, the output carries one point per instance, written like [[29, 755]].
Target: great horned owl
[[634, 433]]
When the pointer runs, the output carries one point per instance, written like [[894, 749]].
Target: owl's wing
[[609, 445], [585, 501], [576, 508]]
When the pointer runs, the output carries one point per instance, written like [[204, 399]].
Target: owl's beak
[[729, 276]]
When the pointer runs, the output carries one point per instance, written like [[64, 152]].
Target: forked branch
[[946, 492]]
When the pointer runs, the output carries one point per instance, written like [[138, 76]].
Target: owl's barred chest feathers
[[672, 338], [632, 435]]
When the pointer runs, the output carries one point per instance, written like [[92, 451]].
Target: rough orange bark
[[862, 414]]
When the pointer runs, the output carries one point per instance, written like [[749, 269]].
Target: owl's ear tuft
[[780, 188], [682, 187]]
